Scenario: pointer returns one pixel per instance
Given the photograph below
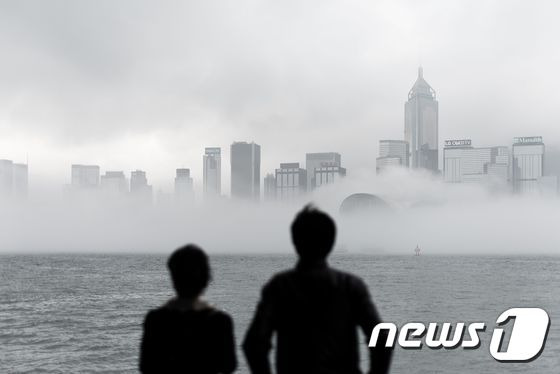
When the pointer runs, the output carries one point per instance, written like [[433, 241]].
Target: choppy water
[[83, 313]]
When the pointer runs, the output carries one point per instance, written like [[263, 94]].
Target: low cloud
[[441, 218]]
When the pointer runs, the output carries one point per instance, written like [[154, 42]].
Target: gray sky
[[137, 84]]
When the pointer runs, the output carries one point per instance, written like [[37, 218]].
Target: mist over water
[[441, 218]]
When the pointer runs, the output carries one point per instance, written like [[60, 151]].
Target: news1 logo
[[526, 341]]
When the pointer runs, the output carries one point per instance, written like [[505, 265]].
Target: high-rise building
[[13, 179], [139, 187], [421, 125], [269, 187], [138, 181], [328, 174], [527, 163], [184, 191], [291, 181], [392, 153], [85, 176], [114, 182], [20, 180], [548, 185], [499, 169], [319, 160], [245, 170], [383, 163], [552, 164], [6, 178], [464, 163], [212, 171]]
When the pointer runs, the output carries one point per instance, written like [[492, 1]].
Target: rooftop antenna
[[419, 56]]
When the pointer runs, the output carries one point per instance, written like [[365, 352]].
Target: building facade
[[464, 163], [421, 125], [114, 182], [139, 187], [212, 171], [184, 185], [20, 176], [138, 181], [328, 174], [548, 185], [314, 161], [6, 178], [269, 186], [291, 181], [527, 163], [392, 153], [245, 170], [85, 176]]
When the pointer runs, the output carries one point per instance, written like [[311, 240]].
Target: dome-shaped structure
[[362, 203]]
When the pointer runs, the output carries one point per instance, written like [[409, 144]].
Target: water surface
[[84, 313]]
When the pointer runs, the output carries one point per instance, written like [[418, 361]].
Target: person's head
[[190, 271], [313, 234]]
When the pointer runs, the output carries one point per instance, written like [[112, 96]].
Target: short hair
[[313, 233], [190, 270]]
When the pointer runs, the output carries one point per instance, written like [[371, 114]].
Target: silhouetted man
[[186, 335], [314, 310]]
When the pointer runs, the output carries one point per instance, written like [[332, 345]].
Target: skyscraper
[[319, 160], [138, 181], [85, 176], [421, 125], [291, 181], [269, 187], [392, 153], [498, 170], [245, 170], [212, 171], [114, 182], [6, 177], [13, 179], [527, 163], [184, 191], [20, 180], [139, 187]]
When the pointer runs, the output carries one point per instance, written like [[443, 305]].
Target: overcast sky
[[137, 84]]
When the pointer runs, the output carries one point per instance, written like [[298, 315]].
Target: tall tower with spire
[[421, 124]]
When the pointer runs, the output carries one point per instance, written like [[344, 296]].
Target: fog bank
[[440, 218]]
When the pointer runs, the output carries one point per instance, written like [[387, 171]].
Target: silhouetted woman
[[187, 335]]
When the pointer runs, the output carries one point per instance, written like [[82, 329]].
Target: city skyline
[[420, 127], [519, 169], [72, 94], [461, 163], [523, 167]]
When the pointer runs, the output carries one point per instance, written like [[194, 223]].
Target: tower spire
[[421, 87]]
